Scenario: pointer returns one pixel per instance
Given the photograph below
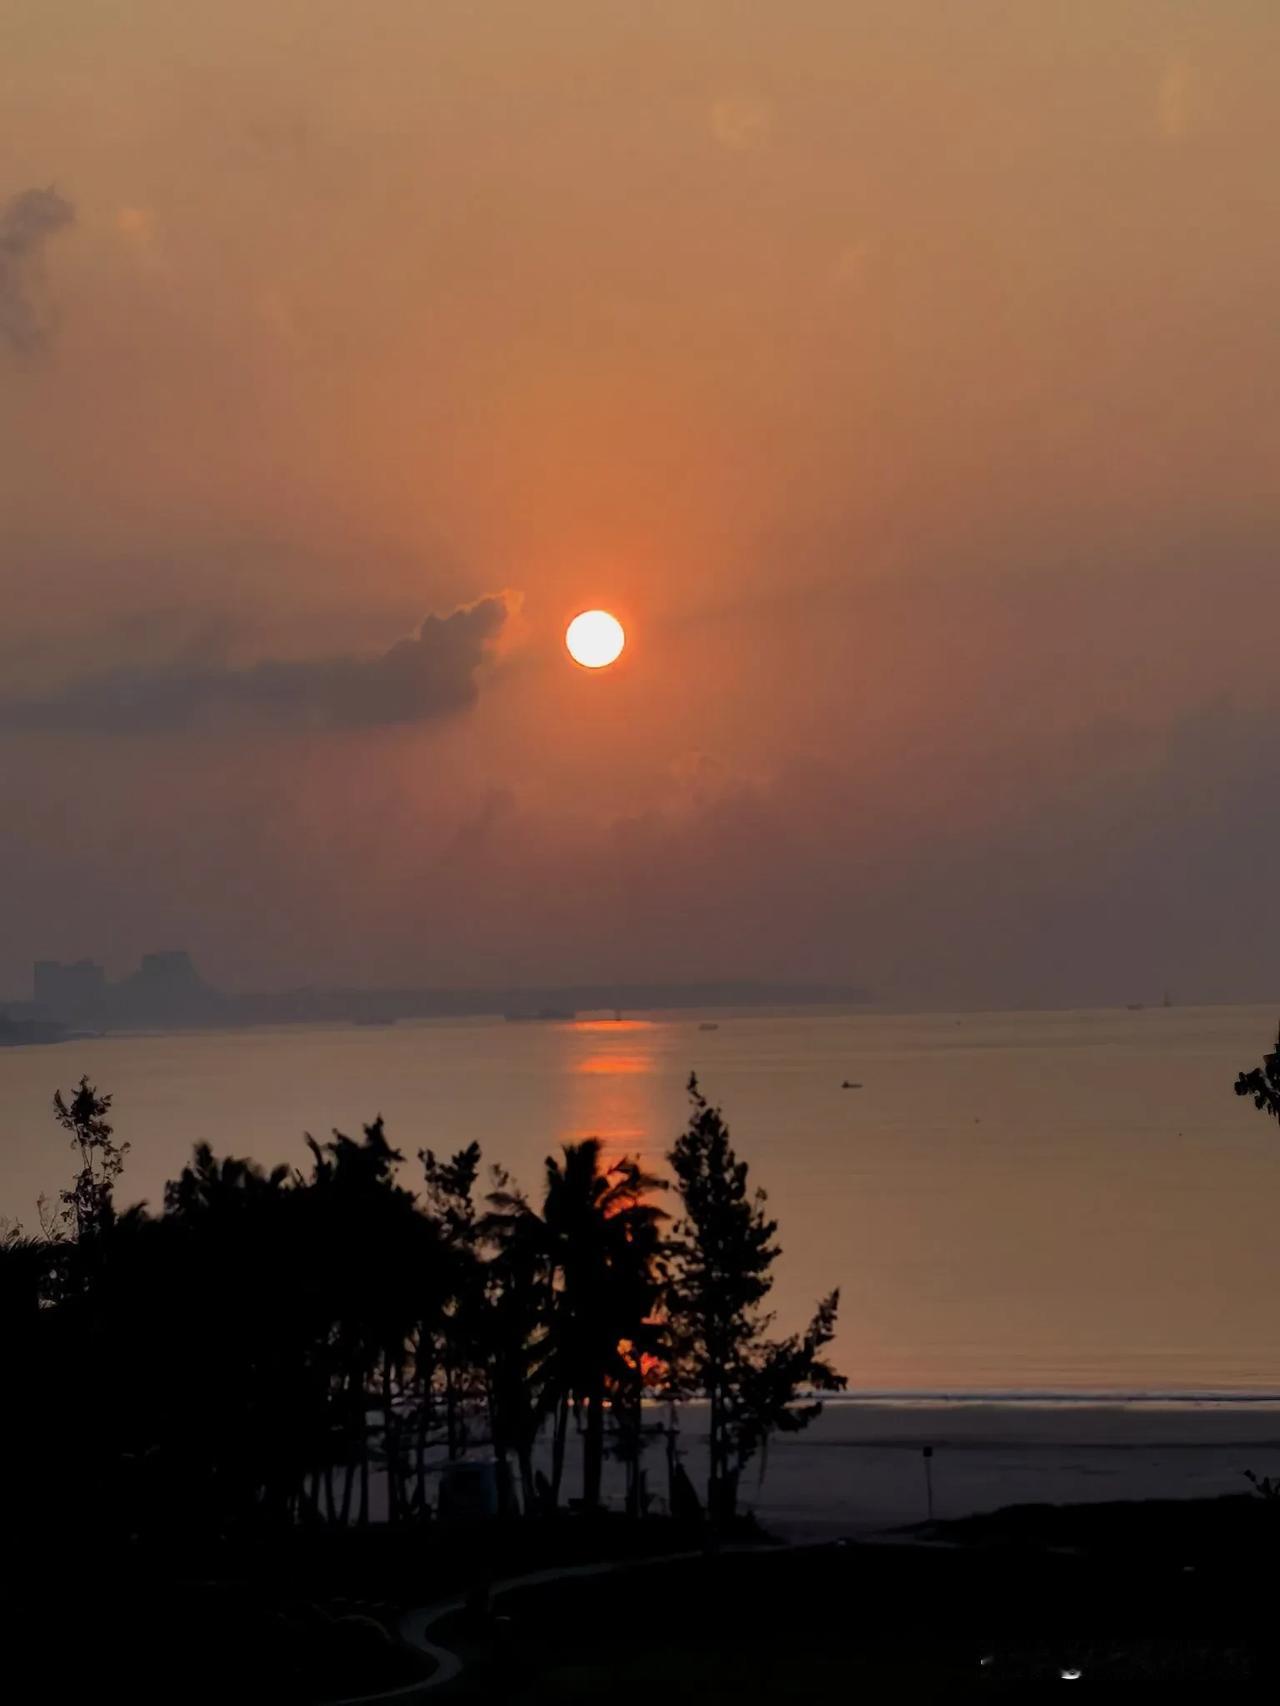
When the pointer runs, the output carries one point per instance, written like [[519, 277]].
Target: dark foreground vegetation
[[287, 1618], [1155, 1592], [220, 1399]]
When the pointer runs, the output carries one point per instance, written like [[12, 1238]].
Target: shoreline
[[861, 1466], [1191, 1402]]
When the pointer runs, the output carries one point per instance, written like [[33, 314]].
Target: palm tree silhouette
[[602, 1244], [516, 1348]]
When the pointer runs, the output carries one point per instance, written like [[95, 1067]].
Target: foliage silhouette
[[1263, 1083], [87, 1205], [721, 1273], [598, 1235], [307, 1345]]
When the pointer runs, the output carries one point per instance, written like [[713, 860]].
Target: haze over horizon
[[903, 377]]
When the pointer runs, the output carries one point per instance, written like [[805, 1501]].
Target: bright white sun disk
[[595, 639]]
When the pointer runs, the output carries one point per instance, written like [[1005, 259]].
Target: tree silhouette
[[1263, 1083], [246, 1395], [87, 1205], [721, 1261], [255, 1354], [376, 1245], [26, 1269], [602, 1246], [515, 1334], [451, 1344]]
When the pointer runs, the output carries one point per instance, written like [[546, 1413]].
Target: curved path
[[415, 1626]]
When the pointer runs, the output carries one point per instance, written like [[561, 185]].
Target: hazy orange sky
[[904, 374]]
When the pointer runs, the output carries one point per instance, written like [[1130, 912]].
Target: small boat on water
[[708, 1025], [850, 1085]]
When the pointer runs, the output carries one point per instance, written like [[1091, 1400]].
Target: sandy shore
[[860, 1466], [860, 1469]]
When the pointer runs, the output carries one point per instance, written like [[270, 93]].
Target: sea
[[1048, 1206]]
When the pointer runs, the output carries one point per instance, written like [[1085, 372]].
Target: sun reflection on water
[[611, 1025], [611, 1083]]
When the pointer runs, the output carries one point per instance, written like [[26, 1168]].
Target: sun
[[595, 639]]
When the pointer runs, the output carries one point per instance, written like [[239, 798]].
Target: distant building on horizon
[[172, 970], [166, 989]]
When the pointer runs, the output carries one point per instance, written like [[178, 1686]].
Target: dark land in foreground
[[1178, 1591], [1168, 1591]]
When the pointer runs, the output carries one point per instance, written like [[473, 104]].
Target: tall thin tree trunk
[[593, 1448], [363, 1517], [528, 1494], [425, 1369], [627, 1410], [311, 1496], [716, 1453], [330, 1509], [452, 1431], [420, 1456], [673, 1458], [349, 1468], [390, 1446], [557, 1450]]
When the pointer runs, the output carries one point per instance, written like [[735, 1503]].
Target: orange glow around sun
[[595, 639]]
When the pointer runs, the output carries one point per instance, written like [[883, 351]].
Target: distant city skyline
[[167, 990]]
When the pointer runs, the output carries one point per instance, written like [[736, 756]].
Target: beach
[[859, 1468]]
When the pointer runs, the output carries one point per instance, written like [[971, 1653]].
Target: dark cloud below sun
[[430, 674]]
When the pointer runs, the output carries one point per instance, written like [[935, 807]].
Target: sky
[[903, 374]]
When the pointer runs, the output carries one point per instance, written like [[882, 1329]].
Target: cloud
[[431, 674], [27, 221]]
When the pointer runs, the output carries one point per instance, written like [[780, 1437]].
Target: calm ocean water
[[1012, 1203]]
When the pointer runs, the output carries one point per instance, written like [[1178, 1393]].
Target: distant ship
[[709, 1026], [544, 1014], [1133, 1006]]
